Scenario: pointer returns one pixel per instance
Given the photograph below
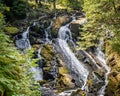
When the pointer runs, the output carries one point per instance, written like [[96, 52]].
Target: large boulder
[[76, 27], [58, 22]]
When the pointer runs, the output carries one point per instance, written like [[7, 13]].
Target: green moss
[[47, 68], [11, 30], [63, 70], [89, 82], [47, 52]]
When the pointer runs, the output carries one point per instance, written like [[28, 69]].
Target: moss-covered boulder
[[63, 70], [47, 52], [11, 30], [67, 80], [64, 80]]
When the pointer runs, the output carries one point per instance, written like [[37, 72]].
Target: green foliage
[[64, 2], [14, 9], [102, 15], [115, 42], [74, 4], [14, 77]]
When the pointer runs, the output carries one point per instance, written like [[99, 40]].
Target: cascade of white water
[[37, 71], [48, 32], [25, 34], [34, 23], [101, 58], [73, 17], [22, 41], [78, 70], [68, 92]]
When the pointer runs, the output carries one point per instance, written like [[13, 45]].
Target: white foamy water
[[79, 72], [101, 58], [22, 41]]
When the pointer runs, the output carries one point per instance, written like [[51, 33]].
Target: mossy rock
[[11, 30], [47, 52], [47, 68], [90, 82], [79, 92], [67, 80], [63, 70], [36, 46], [64, 82]]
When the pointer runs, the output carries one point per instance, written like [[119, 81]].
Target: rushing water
[[37, 71], [22, 40], [101, 57], [48, 33], [78, 71]]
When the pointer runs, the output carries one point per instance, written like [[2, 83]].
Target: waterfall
[[48, 33], [78, 71], [22, 40], [67, 93], [101, 58], [37, 71]]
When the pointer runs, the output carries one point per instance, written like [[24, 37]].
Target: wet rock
[[75, 29], [34, 40], [79, 92], [47, 92], [100, 74], [88, 59], [118, 77], [61, 20], [36, 46], [67, 80]]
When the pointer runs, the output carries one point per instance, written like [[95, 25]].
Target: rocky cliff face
[[113, 88]]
